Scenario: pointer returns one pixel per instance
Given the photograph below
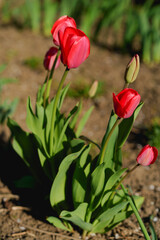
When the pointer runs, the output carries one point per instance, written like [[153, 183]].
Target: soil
[[23, 212]]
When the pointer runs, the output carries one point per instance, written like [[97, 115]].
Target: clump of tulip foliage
[[86, 193]]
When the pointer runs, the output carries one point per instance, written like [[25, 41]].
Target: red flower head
[[50, 57], [61, 24], [75, 47], [126, 102], [147, 155]]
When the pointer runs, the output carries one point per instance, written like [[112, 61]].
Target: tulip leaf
[[57, 223], [125, 128], [76, 115], [121, 216], [83, 121], [62, 96], [77, 217], [107, 216], [126, 125], [57, 194], [63, 130], [25, 144], [108, 157], [97, 185], [35, 122], [110, 184], [79, 181]]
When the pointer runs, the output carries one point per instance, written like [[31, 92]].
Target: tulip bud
[[147, 155], [126, 102], [50, 58], [75, 47], [93, 89], [132, 69], [61, 24]]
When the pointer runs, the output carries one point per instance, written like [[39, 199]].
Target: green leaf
[[79, 182], [106, 217], [57, 194], [83, 121], [62, 95], [126, 125], [63, 130], [110, 183], [35, 122], [152, 230], [125, 128], [25, 144], [97, 185], [121, 216], [25, 182], [108, 158], [57, 223], [77, 217], [76, 115]]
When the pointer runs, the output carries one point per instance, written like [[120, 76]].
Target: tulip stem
[[49, 83], [135, 210], [55, 108], [126, 85], [107, 140]]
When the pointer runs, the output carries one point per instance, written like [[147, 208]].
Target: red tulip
[[50, 57], [126, 102], [61, 24], [75, 47], [147, 155]]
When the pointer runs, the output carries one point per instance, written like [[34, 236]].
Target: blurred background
[[129, 25]]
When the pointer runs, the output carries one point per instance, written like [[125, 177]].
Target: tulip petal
[[147, 155]]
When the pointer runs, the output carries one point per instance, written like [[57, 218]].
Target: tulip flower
[[147, 155], [132, 69], [126, 102], [50, 58], [61, 24], [75, 47]]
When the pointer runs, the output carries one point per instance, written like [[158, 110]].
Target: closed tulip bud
[[93, 89], [132, 69], [75, 47], [147, 155], [50, 58], [126, 102], [61, 24]]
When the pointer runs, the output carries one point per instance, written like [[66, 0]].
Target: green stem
[[135, 210], [107, 140], [126, 85], [88, 218], [48, 88], [55, 108]]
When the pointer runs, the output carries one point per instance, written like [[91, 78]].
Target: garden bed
[[23, 212]]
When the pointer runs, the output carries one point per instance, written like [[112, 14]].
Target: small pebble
[[151, 187], [155, 219], [116, 236], [158, 189], [152, 203], [18, 220], [22, 228]]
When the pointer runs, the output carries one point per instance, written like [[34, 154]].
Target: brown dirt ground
[[24, 217]]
